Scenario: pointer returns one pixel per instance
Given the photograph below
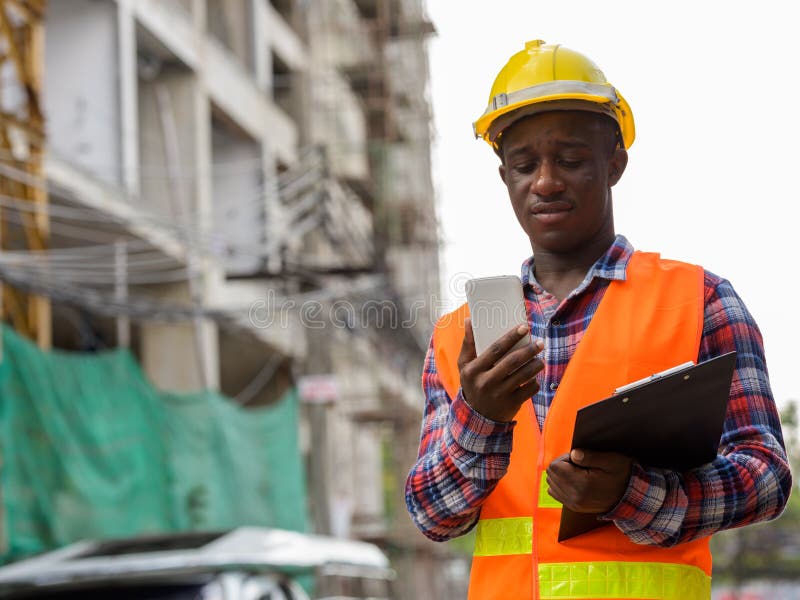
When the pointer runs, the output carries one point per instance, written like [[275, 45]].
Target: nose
[[546, 180]]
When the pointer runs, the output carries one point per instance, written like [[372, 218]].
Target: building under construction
[[239, 192]]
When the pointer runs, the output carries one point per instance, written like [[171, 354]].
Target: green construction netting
[[89, 449]]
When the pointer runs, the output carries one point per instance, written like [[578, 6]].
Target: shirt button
[[555, 322], [554, 386]]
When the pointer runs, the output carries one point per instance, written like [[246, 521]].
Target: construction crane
[[22, 144]]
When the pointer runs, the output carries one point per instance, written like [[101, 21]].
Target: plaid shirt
[[463, 455]]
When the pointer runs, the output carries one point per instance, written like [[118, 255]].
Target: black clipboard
[[673, 421]]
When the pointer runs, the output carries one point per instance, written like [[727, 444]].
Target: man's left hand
[[589, 482]]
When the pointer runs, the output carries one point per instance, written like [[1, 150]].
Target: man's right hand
[[497, 382]]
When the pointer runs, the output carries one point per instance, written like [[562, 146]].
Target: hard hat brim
[[497, 118], [503, 122]]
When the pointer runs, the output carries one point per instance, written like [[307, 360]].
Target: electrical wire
[[210, 243], [303, 176], [289, 185], [259, 381], [145, 307]]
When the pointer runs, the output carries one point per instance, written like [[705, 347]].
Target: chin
[[554, 241]]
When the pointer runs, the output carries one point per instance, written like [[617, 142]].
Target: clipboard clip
[[659, 375]]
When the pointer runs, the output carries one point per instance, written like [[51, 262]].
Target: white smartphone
[[496, 305]]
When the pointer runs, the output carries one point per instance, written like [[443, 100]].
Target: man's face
[[558, 167]]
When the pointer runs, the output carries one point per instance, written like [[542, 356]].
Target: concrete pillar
[[318, 415], [262, 57], [175, 143], [171, 352], [212, 270], [128, 95]]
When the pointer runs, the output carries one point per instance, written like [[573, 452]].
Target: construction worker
[[495, 449]]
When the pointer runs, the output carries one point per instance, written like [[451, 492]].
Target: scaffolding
[[22, 142]]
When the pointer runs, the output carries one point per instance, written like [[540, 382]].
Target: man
[[495, 446]]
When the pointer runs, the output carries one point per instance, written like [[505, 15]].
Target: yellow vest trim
[[496, 537], [545, 499], [597, 580]]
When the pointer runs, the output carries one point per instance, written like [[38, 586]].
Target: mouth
[[551, 212]]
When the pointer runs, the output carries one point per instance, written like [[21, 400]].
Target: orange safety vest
[[650, 322]]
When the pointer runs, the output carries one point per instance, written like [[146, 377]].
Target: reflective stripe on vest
[[501, 537], [614, 579]]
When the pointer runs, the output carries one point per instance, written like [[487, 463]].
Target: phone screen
[[496, 305]]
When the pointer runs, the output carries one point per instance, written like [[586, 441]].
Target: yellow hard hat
[[545, 77]]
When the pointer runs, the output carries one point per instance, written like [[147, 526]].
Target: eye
[[525, 167], [573, 163]]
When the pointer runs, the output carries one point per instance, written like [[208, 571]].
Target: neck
[[560, 272]]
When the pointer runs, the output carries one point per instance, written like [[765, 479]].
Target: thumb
[[467, 353]]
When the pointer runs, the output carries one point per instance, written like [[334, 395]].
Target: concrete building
[[241, 192]]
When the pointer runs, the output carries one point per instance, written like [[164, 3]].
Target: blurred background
[[220, 266]]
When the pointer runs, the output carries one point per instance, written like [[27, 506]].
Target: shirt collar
[[611, 266]]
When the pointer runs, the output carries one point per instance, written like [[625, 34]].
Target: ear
[[502, 170], [616, 166]]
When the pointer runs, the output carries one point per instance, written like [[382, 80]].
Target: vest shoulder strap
[[448, 336]]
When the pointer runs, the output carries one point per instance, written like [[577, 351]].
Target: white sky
[[712, 175]]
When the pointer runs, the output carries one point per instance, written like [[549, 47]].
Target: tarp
[[90, 449]]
